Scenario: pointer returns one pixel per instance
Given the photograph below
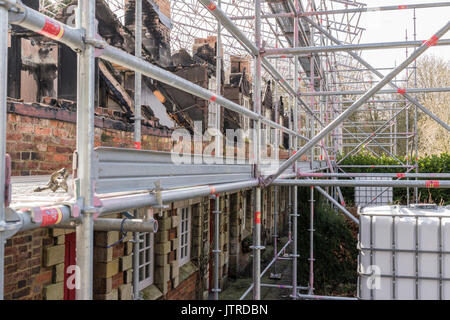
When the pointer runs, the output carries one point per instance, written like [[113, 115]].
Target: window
[[184, 234], [146, 260]]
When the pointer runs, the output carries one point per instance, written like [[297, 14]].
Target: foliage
[[335, 250], [431, 164]]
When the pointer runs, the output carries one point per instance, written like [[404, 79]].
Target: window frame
[[149, 254], [187, 244]]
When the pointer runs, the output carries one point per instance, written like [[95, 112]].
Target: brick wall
[[112, 266], [34, 265], [164, 6], [42, 140], [187, 290]]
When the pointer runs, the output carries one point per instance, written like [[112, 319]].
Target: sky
[[389, 26]]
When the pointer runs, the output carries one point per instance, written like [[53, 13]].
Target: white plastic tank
[[404, 253]]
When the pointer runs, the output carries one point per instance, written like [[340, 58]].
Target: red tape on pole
[[50, 216], [432, 41], [403, 7], [401, 91], [258, 217], [432, 184], [137, 145], [52, 29], [212, 6], [401, 175], [213, 98]]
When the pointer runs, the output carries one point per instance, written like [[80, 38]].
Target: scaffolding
[[320, 39]]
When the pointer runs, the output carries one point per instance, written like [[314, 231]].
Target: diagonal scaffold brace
[[425, 46]]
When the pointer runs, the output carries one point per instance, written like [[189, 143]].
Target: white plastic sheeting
[[421, 273]]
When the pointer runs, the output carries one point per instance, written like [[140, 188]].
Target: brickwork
[[34, 265], [164, 6], [187, 290], [42, 140]]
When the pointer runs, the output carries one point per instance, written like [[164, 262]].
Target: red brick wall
[[25, 276], [187, 290], [42, 140], [164, 6]]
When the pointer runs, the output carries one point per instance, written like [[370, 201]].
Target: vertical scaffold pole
[[137, 133], [257, 229], [219, 82], [311, 244], [295, 213], [85, 149], [216, 251], [416, 135], [216, 290], [3, 116]]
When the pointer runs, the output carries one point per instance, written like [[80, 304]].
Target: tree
[[433, 72]]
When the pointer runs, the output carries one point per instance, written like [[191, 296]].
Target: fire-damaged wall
[[156, 28]]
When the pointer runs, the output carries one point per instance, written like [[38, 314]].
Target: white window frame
[[184, 236], [146, 259]]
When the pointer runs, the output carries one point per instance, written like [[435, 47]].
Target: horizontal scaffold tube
[[59, 216], [359, 92], [369, 175], [349, 47], [445, 184], [314, 297], [74, 38], [346, 11], [125, 225]]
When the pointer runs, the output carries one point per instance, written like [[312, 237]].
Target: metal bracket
[[158, 193], [97, 43], [12, 223], [257, 247]]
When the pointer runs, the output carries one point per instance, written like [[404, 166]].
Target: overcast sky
[[392, 25]]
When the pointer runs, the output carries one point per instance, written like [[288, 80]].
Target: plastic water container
[[404, 253]]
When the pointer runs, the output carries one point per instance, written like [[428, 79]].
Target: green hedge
[[335, 247], [432, 164]]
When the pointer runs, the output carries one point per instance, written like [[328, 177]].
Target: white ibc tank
[[404, 253]]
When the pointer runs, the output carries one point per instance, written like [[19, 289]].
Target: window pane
[[141, 274]]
